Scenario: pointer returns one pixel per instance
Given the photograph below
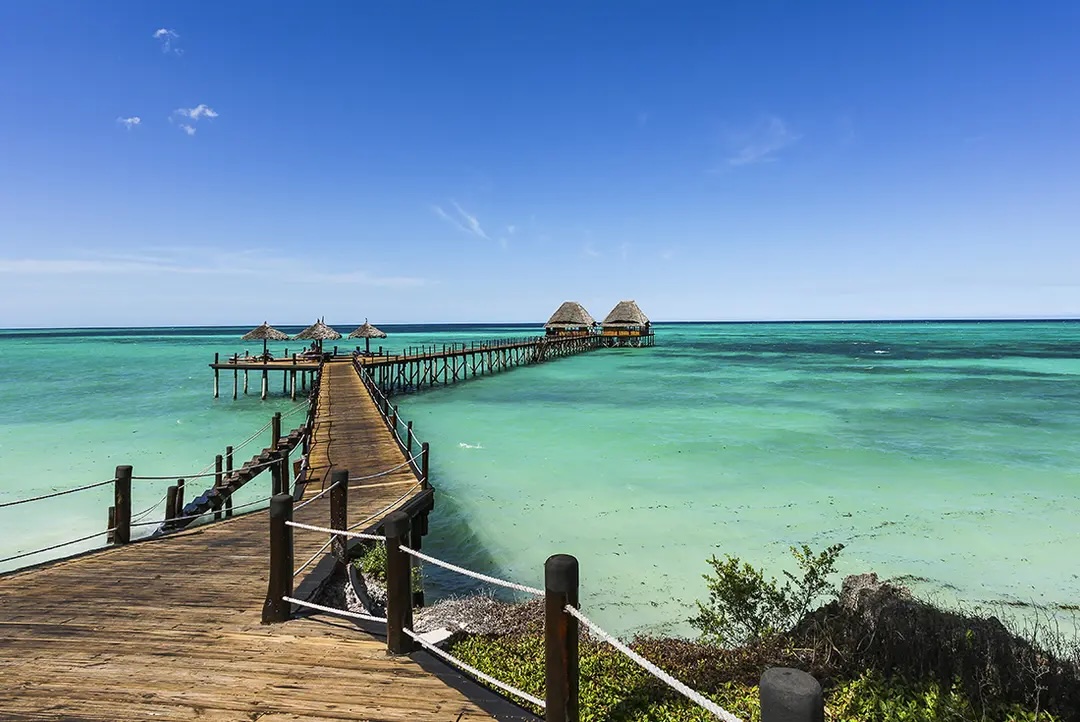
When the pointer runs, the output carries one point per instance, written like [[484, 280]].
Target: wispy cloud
[[511, 230], [200, 261], [202, 110], [167, 40], [760, 143], [589, 251], [129, 123], [464, 221], [193, 115]]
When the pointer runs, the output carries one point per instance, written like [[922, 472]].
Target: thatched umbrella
[[267, 333], [367, 332], [570, 316], [626, 314], [318, 332]]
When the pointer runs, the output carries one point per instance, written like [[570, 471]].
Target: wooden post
[[286, 485], [265, 383], [275, 474], [170, 503], [216, 373], [179, 497], [218, 466], [398, 578], [235, 382], [408, 439], [339, 519], [425, 453], [393, 420], [561, 639], [790, 695], [122, 501], [275, 431], [292, 384], [275, 609], [228, 460], [415, 540], [245, 382], [110, 526]]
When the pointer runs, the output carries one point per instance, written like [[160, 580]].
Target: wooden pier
[[169, 628]]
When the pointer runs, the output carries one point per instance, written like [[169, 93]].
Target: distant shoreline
[[445, 325]]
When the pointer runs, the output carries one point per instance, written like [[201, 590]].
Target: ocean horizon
[[941, 453]]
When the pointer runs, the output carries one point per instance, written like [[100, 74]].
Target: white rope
[[472, 670], [56, 546], [56, 493], [332, 610], [336, 532], [220, 510], [324, 491], [246, 467], [403, 464], [695, 697], [470, 573], [149, 509]]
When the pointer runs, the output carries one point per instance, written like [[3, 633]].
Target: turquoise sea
[[946, 454]]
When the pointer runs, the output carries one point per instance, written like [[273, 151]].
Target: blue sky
[[484, 161]]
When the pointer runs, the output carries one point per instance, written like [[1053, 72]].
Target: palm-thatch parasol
[[367, 332], [267, 333], [570, 316], [317, 332], [626, 314]]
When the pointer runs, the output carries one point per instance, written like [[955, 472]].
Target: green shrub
[[744, 606], [373, 562]]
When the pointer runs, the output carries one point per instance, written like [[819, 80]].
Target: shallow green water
[[946, 453]]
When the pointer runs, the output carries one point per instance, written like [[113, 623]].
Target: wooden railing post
[[561, 639], [275, 430], [275, 609], [339, 518], [276, 485], [283, 454], [393, 420], [424, 455], [218, 467], [170, 503], [179, 497], [790, 695], [396, 526], [408, 439], [228, 459], [122, 502]]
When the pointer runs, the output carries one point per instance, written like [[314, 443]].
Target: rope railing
[[334, 610], [402, 465], [23, 555], [336, 532], [325, 491], [247, 467], [470, 573], [56, 493], [473, 670], [695, 697], [202, 514]]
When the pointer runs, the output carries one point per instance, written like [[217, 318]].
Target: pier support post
[[408, 439], [276, 482], [790, 695], [292, 385], [425, 452], [275, 431], [286, 484], [218, 466], [275, 609], [217, 373], [560, 639], [265, 382], [339, 518], [122, 502], [235, 383], [170, 503], [245, 382], [396, 526], [179, 497], [228, 460]]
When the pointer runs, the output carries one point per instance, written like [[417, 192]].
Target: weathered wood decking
[[170, 628]]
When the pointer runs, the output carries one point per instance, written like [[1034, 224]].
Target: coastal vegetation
[[881, 654]]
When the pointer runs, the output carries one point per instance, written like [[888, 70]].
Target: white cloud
[[463, 221], [202, 110], [167, 39], [189, 129], [129, 123], [511, 230], [761, 143], [589, 251]]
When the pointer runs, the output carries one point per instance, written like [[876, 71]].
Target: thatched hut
[[570, 319], [626, 321]]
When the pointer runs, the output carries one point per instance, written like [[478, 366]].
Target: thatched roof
[[317, 331], [367, 331], [626, 313], [570, 315], [266, 332]]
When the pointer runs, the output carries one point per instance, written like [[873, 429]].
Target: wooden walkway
[[170, 628]]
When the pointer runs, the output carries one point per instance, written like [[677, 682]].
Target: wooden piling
[[561, 639], [275, 609], [277, 485], [245, 382], [292, 384], [170, 503], [398, 584], [228, 460], [122, 502], [265, 383], [218, 466], [217, 374], [179, 498], [339, 519], [275, 431], [235, 382], [424, 456], [110, 526], [408, 439]]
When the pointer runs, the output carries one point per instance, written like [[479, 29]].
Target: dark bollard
[[561, 639], [790, 695], [396, 526], [122, 502], [339, 519], [275, 609]]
